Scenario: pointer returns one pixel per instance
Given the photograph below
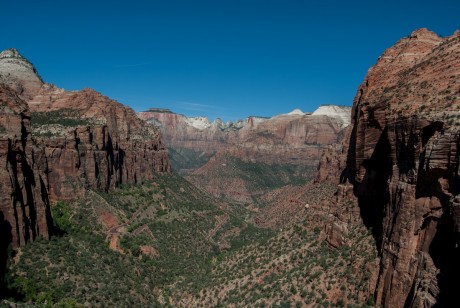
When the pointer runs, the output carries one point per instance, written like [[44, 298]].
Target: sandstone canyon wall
[[24, 201], [282, 139], [401, 161], [102, 145], [55, 144]]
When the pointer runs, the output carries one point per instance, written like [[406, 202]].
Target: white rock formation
[[342, 112], [198, 122], [19, 74], [296, 112]]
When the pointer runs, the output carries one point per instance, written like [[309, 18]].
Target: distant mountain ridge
[[294, 138], [202, 122], [244, 160]]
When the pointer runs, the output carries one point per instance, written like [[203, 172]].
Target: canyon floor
[[169, 243]]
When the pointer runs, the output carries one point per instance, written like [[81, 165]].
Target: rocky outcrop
[[100, 144], [403, 162], [19, 74], [24, 203], [334, 111], [333, 160]]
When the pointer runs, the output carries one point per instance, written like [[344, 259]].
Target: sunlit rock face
[[56, 144], [103, 144], [19, 74], [400, 159], [292, 138]]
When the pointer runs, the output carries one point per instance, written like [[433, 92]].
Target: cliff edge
[[402, 163]]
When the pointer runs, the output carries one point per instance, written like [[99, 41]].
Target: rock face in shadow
[[402, 164], [24, 200]]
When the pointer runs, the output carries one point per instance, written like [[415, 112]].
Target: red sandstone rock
[[283, 139], [114, 148], [403, 164], [96, 143], [24, 204]]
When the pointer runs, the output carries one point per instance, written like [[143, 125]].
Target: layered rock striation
[[100, 144], [402, 163], [282, 139], [19, 74], [55, 144], [196, 133]]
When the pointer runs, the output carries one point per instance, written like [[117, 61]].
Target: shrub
[[61, 216]]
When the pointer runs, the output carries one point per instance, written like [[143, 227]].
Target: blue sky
[[227, 59]]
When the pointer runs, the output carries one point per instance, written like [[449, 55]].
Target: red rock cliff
[[103, 144], [403, 162], [24, 204], [54, 144]]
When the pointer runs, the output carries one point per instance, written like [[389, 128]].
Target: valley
[[339, 207], [185, 248]]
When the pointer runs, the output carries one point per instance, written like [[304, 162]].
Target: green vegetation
[[255, 179], [169, 243], [270, 176], [61, 216], [167, 237], [290, 268], [183, 159], [79, 268], [64, 117]]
